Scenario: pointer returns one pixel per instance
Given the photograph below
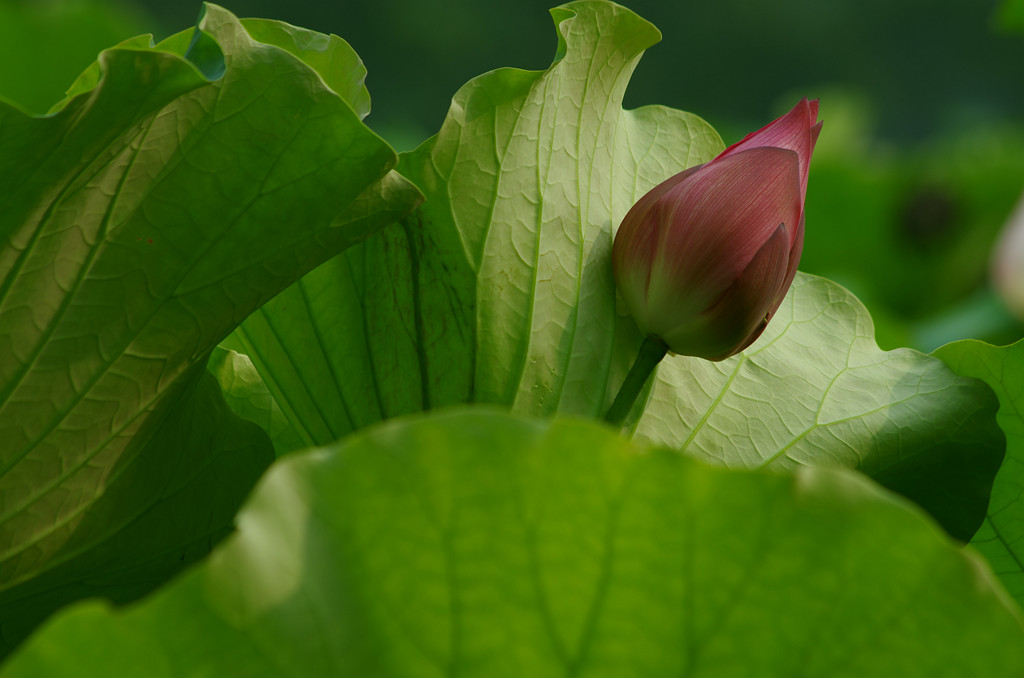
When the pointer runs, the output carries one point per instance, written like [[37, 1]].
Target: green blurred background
[[918, 168]]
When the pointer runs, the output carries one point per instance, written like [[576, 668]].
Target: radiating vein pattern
[[476, 543], [144, 220]]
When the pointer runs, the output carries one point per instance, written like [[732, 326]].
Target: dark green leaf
[[172, 496], [1001, 538], [139, 224]]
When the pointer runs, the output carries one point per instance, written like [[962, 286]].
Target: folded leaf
[[247, 395], [499, 288], [176, 189], [479, 543]]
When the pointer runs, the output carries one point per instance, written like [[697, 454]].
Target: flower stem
[[651, 352]]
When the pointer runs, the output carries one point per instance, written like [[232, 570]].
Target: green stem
[[651, 352]]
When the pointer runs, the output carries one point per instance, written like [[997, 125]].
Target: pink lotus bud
[[706, 257]]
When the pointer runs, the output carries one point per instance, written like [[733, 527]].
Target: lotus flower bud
[[704, 260]]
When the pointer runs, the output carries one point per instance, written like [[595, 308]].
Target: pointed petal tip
[[813, 105]]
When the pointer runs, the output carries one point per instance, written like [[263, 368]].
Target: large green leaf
[[1001, 538], [503, 274], [177, 188], [499, 290], [477, 543], [816, 390]]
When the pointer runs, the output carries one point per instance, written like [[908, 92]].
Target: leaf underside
[[176, 189], [499, 290]]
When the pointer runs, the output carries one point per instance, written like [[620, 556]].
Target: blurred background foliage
[[917, 171]]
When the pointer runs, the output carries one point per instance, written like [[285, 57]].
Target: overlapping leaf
[[175, 190], [499, 290], [1001, 538], [816, 390], [248, 396], [189, 468], [478, 543]]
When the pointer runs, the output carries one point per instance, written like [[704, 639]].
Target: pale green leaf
[[478, 543], [499, 290], [816, 390]]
